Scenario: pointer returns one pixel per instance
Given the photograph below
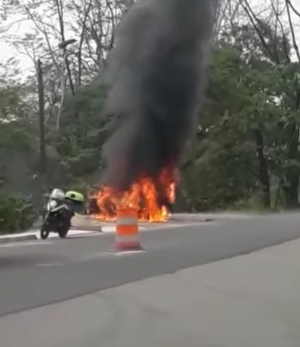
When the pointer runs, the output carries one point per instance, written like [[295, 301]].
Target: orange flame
[[142, 195]]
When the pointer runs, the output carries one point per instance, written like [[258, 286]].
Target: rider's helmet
[[57, 194], [74, 196], [75, 200]]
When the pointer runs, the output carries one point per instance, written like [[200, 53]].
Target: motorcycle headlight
[[52, 204]]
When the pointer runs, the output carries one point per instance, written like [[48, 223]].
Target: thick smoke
[[155, 76]]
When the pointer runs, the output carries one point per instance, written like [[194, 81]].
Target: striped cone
[[127, 231]]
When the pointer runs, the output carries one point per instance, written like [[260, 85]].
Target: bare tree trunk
[[263, 168], [292, 173], [43, 157], [84, 25], [60, 9]]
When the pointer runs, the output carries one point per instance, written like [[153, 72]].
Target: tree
[[226, 149], [279, 44], [16, 141]]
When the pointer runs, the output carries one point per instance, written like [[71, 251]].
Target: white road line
[[121, 254], [24, 243], [175, 226], [97, 255], [162, 226], [48, 265]]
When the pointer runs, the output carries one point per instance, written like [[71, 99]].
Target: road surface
[[44, 272], [76, 292]]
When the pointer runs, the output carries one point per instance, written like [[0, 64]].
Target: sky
[[8, 51]]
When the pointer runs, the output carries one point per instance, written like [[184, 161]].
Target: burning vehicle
[[143, 195]]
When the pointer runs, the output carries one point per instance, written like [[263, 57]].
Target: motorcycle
[[58, 213]]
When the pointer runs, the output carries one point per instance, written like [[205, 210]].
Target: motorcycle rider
[[60, 209]]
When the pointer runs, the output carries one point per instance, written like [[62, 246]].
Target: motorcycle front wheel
[[44, 232]]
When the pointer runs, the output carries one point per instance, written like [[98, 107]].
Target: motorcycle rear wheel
[[63, 233], [65, 227]]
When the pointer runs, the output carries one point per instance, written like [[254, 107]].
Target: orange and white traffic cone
[[127, 230]]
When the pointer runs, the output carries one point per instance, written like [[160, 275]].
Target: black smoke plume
[[155, 75]]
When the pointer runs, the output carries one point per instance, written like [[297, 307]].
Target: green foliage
[[84, 131], [11, 104], [15, 127], [85, 163], [82, 120], [15, 135], [224, 161], [249, 109], [16, 214]]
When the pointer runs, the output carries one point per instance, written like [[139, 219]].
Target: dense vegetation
[[245, 154]]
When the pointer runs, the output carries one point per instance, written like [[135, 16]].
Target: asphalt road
[[44, 272]]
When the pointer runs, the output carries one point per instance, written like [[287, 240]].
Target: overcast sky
[[8, 51]]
